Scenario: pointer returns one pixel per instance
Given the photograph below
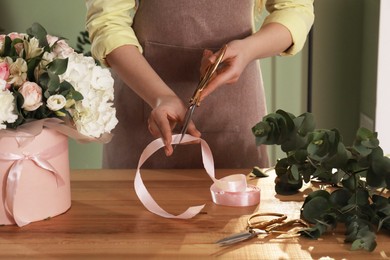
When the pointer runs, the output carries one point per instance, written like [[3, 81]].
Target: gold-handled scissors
[[195, 99], [256, 225]]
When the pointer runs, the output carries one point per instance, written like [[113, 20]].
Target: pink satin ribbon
[[231, 190], [15, 173]]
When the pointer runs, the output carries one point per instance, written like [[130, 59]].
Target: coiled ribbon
[[15, 173], [231, 190]]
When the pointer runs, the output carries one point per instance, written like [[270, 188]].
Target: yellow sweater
[[109, 23]]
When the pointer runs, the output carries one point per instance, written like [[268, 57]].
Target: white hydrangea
[[95, 114], [7, 108]]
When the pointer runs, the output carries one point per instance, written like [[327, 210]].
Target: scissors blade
[[236, 238], [187, 120], [240, 237]]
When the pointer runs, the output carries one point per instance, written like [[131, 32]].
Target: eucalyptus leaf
[[58, 66], [340, 197], [31, 65], [53, 83], [7, 46], [351, 183], [295, 172], [318, 193], [77, 96], [259, 173], [314, 208], [315, 231], [360, 197], [382, 221], [39, 32], [367, 243], [305, 123]]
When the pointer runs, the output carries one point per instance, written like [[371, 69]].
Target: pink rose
[[61, 47], [4, 73], [4, 70], [15, 35], [19, 46], [32, 94]]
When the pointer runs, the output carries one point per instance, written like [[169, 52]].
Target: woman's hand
[[272, 39], [235, 60], [169, 111]]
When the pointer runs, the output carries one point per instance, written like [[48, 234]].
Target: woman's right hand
[[170, 111]]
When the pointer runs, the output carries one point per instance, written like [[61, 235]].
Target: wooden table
[[107, 221]]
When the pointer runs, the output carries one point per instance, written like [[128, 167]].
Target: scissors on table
[[195, 99], [256, 226]]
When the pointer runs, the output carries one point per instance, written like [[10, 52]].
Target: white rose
[[56, 102], [32, 94], [7, 108]]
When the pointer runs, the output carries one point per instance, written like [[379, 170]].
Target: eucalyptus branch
[[313, 153]]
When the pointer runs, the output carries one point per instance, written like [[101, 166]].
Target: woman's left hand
[[233, 64]]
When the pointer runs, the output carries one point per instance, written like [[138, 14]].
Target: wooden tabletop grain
[[107, 221]]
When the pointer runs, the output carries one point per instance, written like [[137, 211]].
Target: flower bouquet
[[48, 92]]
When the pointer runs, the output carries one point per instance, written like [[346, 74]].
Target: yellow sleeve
[[297, 16], [108, 23]]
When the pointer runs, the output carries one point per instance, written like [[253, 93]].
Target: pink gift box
[[34, 179]]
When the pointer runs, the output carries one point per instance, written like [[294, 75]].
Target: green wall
[[344, 63], [369, 57]]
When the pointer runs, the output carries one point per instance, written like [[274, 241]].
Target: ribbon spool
[[231, 190]]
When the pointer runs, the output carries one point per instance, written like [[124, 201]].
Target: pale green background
[[344, 63]]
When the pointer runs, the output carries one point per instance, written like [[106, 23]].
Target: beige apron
[[174, 34]]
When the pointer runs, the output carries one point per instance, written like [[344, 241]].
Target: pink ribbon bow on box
[[15, 172], [231, 190]]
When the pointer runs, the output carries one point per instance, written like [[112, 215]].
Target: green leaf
[[318, 193], [261, 131], [382, 221], [315, 208], [315, 231], [31, 65], [43, 81], [365, 141], [360, 197], [305, 123], [340, 197], [259, 173], [284, 185], [37, 31], [351, 182], [53, 83], [65, 87], [295, 172], [77, 96], [367, 243], [58, 66], [7, 46]]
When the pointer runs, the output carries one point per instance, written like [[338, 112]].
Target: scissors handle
[[195, 99], [263, 224]]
